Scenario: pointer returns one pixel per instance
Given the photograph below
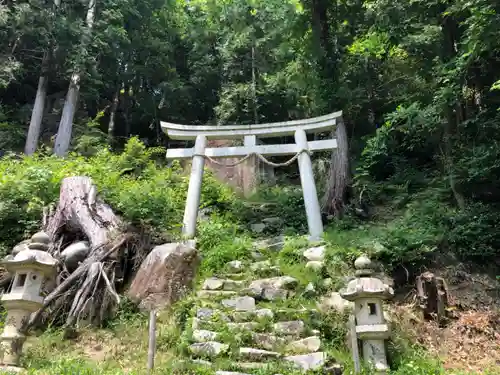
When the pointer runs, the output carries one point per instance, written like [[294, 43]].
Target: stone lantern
[[368, 292], [30, 268]]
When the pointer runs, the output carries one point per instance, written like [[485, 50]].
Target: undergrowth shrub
[[219, 243], [473, 232], [136, 187], [285, 202]]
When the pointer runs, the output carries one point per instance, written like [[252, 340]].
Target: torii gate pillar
[[194, 189], [311, 203]]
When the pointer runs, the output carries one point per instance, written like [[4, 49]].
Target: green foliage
[[219, 243], [152, 195], [473, 233], [280, 201]]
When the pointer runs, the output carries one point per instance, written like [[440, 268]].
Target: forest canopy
[[418, 83]]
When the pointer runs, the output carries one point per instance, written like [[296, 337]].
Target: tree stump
[[432, 294], [89, 292]]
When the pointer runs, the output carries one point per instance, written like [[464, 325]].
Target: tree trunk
[[37, 114], [112, 115], [453, 112], [335, 197], [63, 138], [39, 106]]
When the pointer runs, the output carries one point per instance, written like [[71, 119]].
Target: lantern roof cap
[[36, 255], [365, 285]]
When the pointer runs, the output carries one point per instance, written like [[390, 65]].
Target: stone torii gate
[[301, 150]]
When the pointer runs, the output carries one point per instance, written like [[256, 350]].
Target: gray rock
[[272, 220], [264, 313], [307, 345], [252, 292], [335, 302], [246, 326], [235, 266], [242, 316], [258, 227], [240, 303], [271, 294], [315, 265], [268, 341], [215, 283], [165, 276], [306, 362], [203, 335], [279, 282], [74, 254], [310, 290], [261, 266], [293, 327], [206, 314], [271, 244], [257, 255], [328, 282], [257, 354], [208, 349], [315, 253]]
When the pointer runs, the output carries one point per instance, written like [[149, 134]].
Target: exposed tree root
[[89, 293]]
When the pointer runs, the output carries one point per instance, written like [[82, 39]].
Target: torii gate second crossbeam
[[301, 149]]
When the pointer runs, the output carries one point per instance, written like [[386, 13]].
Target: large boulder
[[165, 276], [74, 254]]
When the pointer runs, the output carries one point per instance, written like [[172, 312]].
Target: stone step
[[308, 362], [290, 328], [269, 341], [244, 303], [307, 345], [204, 335], [246, 326], [258, 314], [253, 354], [215, 294], [215, 283], [278, 282], [235, 266], [207, 314], [296, 314], [209, 349], [251, 365]]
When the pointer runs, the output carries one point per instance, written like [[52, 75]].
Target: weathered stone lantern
[[368, 292], [30, 268]]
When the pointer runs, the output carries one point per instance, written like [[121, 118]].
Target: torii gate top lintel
[[269, 130], [300, 149]]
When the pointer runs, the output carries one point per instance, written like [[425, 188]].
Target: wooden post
[[313, 210], [354, 344], [152, 341], [194, 189]]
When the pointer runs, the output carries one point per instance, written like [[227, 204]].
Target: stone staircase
[[252, 319]]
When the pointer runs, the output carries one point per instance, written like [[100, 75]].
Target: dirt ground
[[470, 341]]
